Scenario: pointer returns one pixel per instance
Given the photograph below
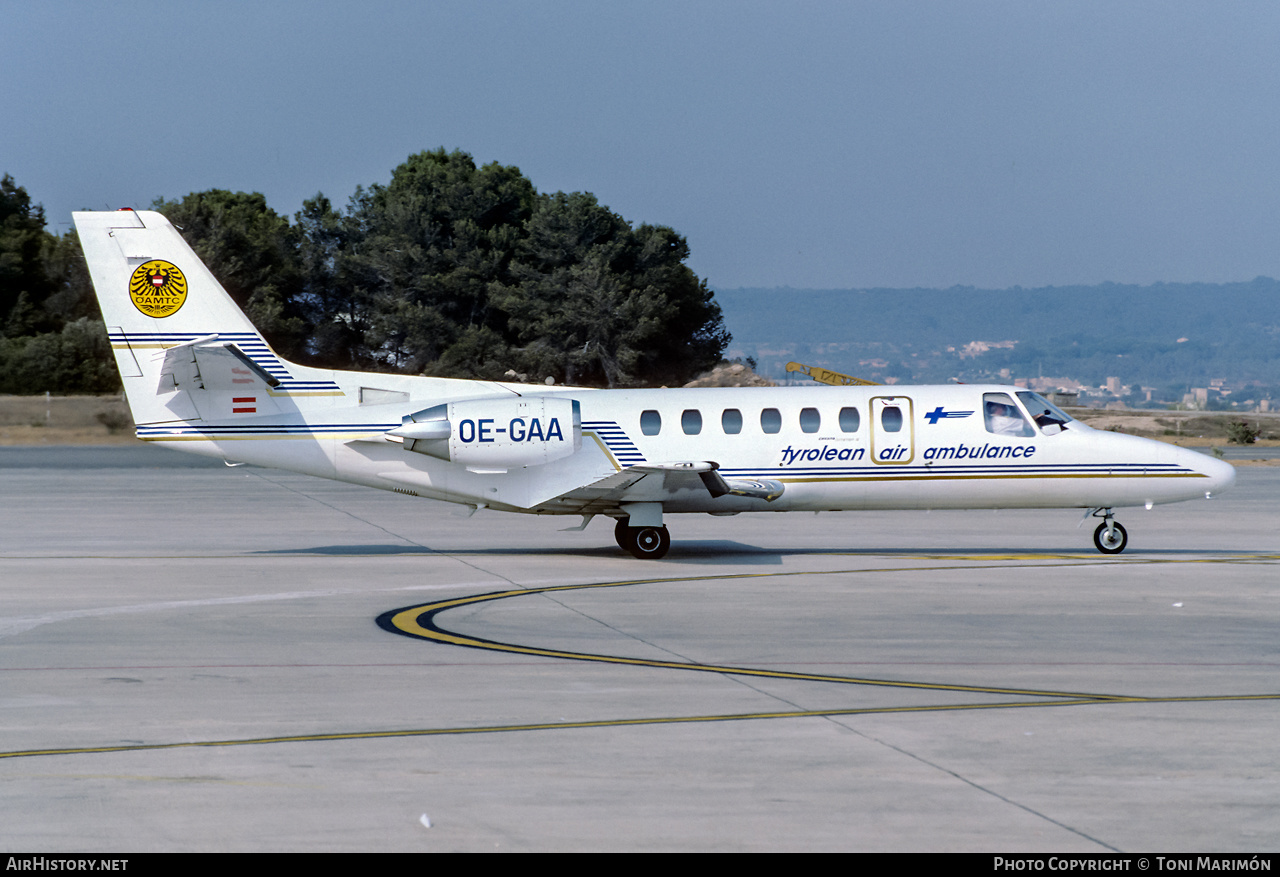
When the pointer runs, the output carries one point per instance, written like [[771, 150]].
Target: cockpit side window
[[1049, 417], [1003, 417]]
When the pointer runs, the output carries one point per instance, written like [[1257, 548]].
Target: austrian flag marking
[[244, 404]]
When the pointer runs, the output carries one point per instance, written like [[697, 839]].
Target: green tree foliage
[[340, 299], [51, 335], [1241, 433], [459, 270], [450, 269], [597, 301], [76, 359], [428, 247], [24, 284], [253, 252], [72, 295]]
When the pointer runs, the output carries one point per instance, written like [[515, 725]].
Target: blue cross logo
[[937, 414]]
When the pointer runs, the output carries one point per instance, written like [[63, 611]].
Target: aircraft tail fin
[[173, 328]]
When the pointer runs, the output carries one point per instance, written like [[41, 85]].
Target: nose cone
[[1220, 474]]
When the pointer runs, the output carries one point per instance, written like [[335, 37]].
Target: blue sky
[[809, 144]]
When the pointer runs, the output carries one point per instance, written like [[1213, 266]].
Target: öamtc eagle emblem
[[158, 288]]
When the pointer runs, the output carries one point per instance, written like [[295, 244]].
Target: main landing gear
[[1110, 537], [645, 543]]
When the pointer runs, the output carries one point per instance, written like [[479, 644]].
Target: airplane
[[200, 378]]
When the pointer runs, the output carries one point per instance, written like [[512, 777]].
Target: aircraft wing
[[660, 482]]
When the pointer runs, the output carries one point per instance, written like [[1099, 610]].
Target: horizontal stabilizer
[[266, 377], [209, 364], [178, 367]]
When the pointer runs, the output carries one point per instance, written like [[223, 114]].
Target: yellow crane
[[826, 376]]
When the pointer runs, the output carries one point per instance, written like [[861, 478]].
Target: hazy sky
[[810, 144]]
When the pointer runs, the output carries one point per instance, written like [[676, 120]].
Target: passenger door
[[892, 430]]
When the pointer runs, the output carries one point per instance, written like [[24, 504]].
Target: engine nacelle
[[494, 435]]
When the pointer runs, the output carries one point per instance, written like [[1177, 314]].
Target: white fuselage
[[200, 377], [934, 459]]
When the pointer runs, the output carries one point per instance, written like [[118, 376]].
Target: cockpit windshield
[[1049, 417]]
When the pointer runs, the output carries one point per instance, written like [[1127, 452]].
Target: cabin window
[[1049, 417], [731, 421], [810, 419], [691, 421], [771, 420], [650, 422], [849, 420], [891, 418], [1003, 417]]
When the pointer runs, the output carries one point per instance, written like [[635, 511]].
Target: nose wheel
[[645, 543], [1110, 537]]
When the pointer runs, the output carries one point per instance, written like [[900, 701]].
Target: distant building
[[1055, 385], [1198, 398]]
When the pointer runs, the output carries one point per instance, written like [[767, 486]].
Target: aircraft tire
[[1113, 546], [648, 543], [620, 529]]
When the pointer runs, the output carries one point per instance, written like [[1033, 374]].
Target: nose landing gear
[[1110, 537]]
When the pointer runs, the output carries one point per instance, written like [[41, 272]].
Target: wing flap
[[657, 482]]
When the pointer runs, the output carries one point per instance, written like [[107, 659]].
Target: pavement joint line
[[412, 618], [615, 723]]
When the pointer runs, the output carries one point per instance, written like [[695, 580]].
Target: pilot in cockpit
[[1002, 418]]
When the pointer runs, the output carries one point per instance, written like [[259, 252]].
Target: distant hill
[[1164, 335]]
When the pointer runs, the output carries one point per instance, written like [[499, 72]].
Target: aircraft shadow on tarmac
[[729, 552], [718, 551]]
